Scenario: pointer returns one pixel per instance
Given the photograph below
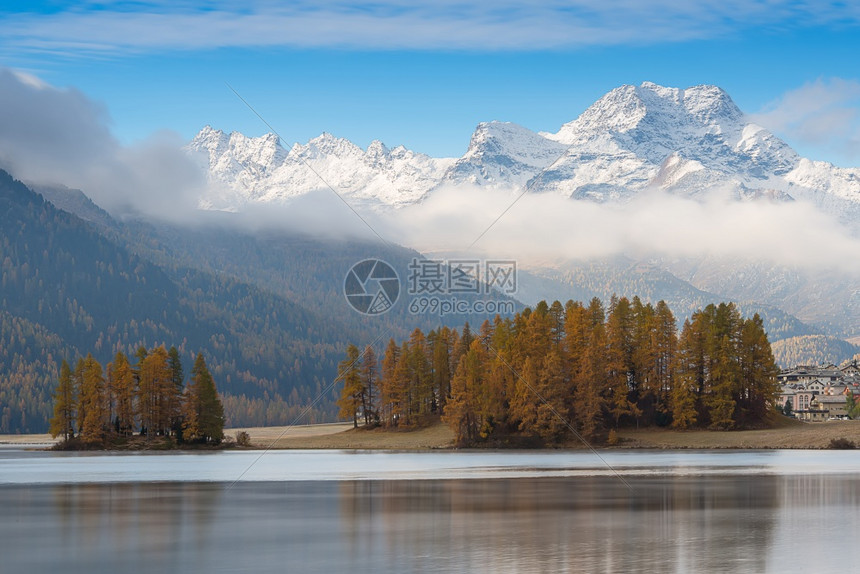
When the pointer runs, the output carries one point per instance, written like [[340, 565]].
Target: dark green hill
[[71, 285]]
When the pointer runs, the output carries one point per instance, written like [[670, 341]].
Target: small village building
[[812, 415], [835, 405], [852, 368], [819, 393]]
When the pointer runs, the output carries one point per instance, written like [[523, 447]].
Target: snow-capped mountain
[[261, 170], [684, 141], [687, 142], [504, 154]]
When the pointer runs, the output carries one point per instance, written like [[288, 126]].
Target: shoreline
[[786, 435]]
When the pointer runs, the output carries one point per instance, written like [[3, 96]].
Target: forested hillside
[[813, 350], [64, 283], [267, 309], [30, 356]]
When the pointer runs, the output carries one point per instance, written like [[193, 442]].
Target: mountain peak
[[687, 141], [261, 170], [503, 153], [657, 109]]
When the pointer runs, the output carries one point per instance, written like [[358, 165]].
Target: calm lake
[[329, 511]]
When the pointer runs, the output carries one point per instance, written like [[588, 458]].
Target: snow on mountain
[[688, 142], [684, 141], [504, 154], [260, 170]]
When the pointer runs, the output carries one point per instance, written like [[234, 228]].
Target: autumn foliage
[[558, 372], [99, 405]]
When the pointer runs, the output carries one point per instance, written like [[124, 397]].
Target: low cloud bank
[[50, 135], [548, 228]]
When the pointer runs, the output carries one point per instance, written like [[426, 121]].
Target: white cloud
[[50, 135], [547, 228], [392, 24], [824, 113]]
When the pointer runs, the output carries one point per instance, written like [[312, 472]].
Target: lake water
[[328, 511]]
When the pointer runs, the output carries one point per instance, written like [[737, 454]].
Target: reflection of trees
[[561, 524], [737, 523], [127, 525]]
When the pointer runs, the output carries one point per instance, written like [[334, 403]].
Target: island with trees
[[574, 371], [137, 405]]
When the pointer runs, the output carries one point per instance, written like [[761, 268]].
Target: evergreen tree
[[556, 319], [689, 377], [440, 348], [723, 378], [204, 413], [592, 374], [78, 386], [157, 393], [421, 376], [369, 379], [623, 380], [539, 338], [462, 409], [389, 387], [665, 346], [462, 344], [758, 383], [177, 376], [404, 391], [524, 403], [352, 398], [123, 383], [551, 416], [645, 383], [65, 400], [94, 401]]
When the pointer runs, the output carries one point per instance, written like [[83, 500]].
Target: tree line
[[559, 370], [149, 398]]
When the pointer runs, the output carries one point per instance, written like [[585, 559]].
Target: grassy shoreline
[[786, 434]]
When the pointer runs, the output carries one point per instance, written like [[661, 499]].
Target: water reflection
[[736, 523], [677, 524]]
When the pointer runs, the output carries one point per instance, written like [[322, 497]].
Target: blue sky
[[425, 75]]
